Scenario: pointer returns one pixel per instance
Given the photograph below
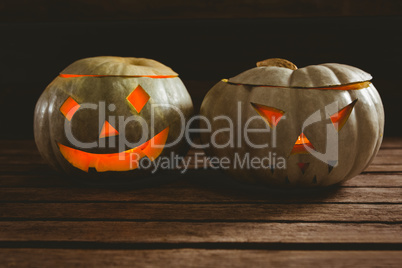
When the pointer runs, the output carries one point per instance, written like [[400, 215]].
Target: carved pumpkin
[[314, 126], [102, 115]]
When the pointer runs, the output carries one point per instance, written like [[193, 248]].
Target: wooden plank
[[215, 192], [8, 147], [384, 168], [23, 167], [33, 180], [388, 156], [391, 142], [197, 258], [42, 10], [53, 179], [15, 161], [373, 180], [200, 232], [28, 168], [202, 212]]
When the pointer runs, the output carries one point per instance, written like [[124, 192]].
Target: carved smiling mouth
[[123, 161]]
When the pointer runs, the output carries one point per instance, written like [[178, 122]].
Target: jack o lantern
[[281, 126], [103, 115]]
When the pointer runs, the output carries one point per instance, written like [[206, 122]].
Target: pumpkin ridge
[[120, 66], [122, 76], [351, 73], [321, 75], [374, 94], [333, 73]]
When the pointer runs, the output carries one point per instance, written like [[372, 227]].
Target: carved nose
[[300, 145], [108, 130]]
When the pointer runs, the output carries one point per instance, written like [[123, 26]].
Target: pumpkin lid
[[278, 72], [117, 66]]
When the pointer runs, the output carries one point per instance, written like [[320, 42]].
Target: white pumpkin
[[323, 124]]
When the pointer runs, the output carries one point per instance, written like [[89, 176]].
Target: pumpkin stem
[[277, 62]]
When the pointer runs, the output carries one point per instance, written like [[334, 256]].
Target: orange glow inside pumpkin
[[271, 115], [352, 86], [108, 130], [300, 145], [339, 119], [116, 161], [138, 98], [69, 107]]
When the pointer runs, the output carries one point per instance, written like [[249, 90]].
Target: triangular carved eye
[[339, 118], [138, 98], [271, 115]]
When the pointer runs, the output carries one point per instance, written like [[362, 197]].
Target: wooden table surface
[[201, 219]]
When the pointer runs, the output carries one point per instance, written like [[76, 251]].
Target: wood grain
[[391, 142], [374, 180], [217, 193], [203, 219], [198, 232], [202, 212], [53, 179], [197, 258], [384, 168], [41, 168]]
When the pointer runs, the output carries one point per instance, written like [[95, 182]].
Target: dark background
[[202, 41]]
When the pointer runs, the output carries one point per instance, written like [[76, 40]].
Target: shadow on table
[[221, 183], [208, 186]]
